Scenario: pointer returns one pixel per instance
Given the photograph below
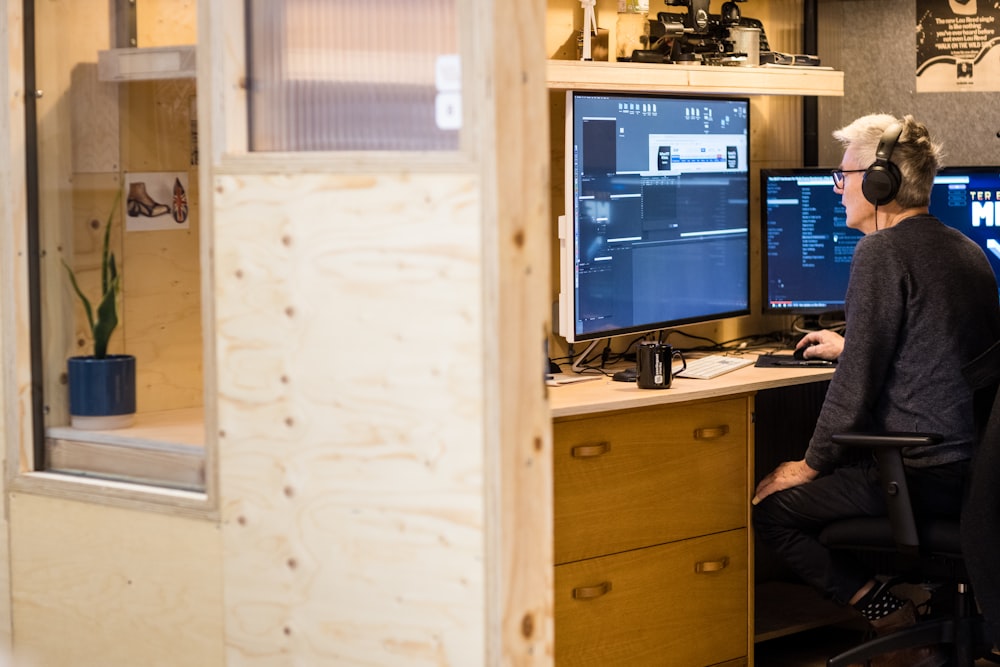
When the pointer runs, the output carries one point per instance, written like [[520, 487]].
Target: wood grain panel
[[156, 125], [161, 294], [100, 587], [15, 374], [350, 349], [161, 304], [629, 480], [655, 606], [166, 22]]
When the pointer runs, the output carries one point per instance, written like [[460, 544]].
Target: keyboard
[[713, 365]]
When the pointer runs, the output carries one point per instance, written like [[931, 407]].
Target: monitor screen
[[809, 246], [656, 231], [966, 198]]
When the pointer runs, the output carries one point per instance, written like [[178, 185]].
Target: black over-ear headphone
[[882, 179]]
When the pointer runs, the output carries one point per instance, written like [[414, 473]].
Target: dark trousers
[[789, 522]]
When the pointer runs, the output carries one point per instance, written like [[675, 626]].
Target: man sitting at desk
[[921, 303]]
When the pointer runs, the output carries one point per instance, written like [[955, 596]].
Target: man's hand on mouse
[[822, 344], [785, 476]]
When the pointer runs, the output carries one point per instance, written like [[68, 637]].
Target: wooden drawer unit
[[682, 604], [648, 476]]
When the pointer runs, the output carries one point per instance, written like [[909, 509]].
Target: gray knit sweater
[[921, 302]]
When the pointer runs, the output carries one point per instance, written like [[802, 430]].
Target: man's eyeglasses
[[838, 176]]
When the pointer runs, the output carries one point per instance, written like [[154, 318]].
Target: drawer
[[633, 479], [682, 604]]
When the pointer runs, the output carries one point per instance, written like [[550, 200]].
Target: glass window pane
[[349, 75]]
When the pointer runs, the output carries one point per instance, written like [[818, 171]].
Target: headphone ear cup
[[881, 183]]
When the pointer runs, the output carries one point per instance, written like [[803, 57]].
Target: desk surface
[[604, 394]]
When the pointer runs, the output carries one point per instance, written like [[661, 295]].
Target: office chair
[[928, 548]]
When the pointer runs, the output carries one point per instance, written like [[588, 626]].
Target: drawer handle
[[706, 566], [590, 451], [592, 592], [711, 433]]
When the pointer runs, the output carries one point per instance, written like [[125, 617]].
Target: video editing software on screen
[[660, 218]]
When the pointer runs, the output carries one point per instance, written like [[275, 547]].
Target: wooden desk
[[653, 554], [605, 394]]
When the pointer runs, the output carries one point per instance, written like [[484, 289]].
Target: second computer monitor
[[966, 198], [808, 246]]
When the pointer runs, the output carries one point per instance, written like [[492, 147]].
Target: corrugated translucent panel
[[353, 75]]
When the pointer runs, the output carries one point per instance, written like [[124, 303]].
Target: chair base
[[962, 639]]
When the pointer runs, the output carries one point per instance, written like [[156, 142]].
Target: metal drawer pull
[[590, 451], [711, 433], [591, 592], [706, 566]]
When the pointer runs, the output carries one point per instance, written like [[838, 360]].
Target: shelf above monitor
[[637, 77]]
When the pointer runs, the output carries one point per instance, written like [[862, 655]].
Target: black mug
[[654, 365]]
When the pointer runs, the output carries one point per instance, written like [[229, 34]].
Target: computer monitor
[[968, 199], [807, 245], [656, 231]]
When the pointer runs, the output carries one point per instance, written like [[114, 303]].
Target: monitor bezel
[[567, 251], [833, 312]]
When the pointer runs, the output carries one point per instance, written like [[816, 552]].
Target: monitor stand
[[816, 322], [576, 368]]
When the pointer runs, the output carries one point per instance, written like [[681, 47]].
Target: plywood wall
[[384, 459], [351, 417], [94, 586], [384, 440], [15, 396]]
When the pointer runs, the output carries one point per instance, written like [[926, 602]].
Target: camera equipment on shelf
[[698, 36]]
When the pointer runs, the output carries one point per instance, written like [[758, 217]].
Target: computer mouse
[[626, 375], [800, 353]]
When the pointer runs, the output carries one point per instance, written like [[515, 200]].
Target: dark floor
[[811, 648]]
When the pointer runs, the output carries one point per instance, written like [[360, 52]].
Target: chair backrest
[[981, 517], [983, 375]]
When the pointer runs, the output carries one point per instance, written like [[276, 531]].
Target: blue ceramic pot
[[100, 387]]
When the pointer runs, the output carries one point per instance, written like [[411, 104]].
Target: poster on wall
[[156, 201], [958, 46]]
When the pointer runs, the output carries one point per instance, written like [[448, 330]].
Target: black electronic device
[[882, 179], [807, 246], [791, 361], [656, 231], [629, 374], [968, 199], [698, 35]]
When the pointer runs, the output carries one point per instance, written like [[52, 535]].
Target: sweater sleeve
[[875, 315]]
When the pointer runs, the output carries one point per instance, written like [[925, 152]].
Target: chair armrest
[[890, 439], [887, 448]]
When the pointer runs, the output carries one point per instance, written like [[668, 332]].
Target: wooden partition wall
[[371, 335]]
